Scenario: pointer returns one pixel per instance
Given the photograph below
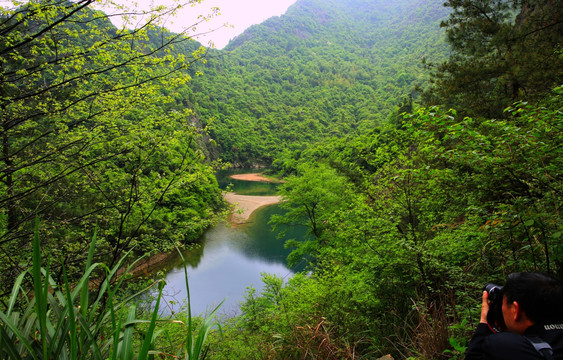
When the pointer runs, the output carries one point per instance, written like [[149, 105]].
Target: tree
[[508, 172], [502, 51], [311, 197], [88, 136]]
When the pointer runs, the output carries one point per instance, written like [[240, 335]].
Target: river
[[230, 258]]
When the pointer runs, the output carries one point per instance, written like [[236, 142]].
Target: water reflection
[[223, 273], [231, 258]]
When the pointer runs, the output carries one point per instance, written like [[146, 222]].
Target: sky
[[239, 14]]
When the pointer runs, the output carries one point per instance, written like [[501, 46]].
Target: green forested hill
[[324, 69], [104, 131]]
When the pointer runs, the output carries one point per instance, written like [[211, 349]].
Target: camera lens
[[494, 316], [492, 289]]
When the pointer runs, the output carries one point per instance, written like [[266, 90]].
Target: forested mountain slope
[[96, 135], [324, 69]]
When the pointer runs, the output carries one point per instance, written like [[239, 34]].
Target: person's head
[[531, 298]]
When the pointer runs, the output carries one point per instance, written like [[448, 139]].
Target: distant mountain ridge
[[324, 69], [316, 19]]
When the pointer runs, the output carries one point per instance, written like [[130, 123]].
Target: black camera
[[494, 316]]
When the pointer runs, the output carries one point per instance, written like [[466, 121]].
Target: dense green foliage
[[426, 215], [93, 133], [504, 51], [408, 214]]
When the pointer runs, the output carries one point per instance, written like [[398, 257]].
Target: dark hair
[[539, 295]]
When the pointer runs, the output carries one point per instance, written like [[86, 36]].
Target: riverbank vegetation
[[426, 215], [413, 199]]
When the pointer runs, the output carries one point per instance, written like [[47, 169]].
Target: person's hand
[[485, 307]]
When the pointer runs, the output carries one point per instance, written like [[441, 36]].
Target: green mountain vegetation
[[419, 144], [92, 142], [323, 70]]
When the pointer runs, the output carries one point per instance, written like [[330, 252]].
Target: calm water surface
[[231, 258]]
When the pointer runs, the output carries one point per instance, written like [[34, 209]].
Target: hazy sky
[[239, 13]]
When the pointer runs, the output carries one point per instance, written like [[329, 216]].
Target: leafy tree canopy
[[503, 51], [93, 136]]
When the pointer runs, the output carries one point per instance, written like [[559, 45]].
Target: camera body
[[494, 316]]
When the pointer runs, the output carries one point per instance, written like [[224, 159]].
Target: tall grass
[[55, 321]]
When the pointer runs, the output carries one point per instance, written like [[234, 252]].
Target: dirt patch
[[253, 177], [144, 267]]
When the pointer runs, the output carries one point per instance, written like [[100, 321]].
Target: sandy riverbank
[[253, 177], [245, 205]]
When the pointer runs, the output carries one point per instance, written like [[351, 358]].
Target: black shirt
[[509, 346]]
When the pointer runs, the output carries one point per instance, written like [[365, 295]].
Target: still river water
[[231, 258]]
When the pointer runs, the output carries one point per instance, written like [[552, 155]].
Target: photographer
[[522, 320]]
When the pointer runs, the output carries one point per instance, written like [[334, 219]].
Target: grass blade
[[15, 292], [7, 344], [19, 335], [112, 273], [204, 330], [195, 347], [71, 320], [189, 334], [91, 344], [40, 300], [149, 335], [127, 341], [116, 332], [84, 294]]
